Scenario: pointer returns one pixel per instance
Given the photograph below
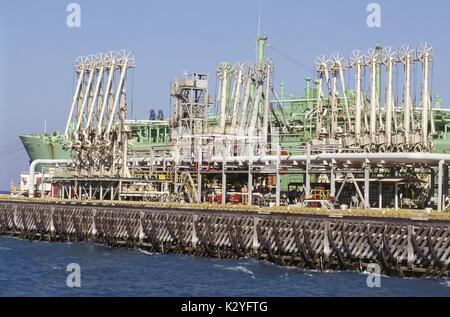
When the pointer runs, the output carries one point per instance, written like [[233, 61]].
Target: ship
[[144, 134]]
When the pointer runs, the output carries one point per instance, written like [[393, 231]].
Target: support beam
[[278, 178], [308, 162], [366, 187], [224, 176], [199, 175], [380, 195], [440, 183], [357, 189], [342, 186], [333, 180], [250, 184], [396, 197]]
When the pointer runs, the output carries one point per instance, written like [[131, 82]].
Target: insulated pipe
[[107, 96], [319, 108], [32, 171], [243, 117], [236, 97], [254, 112], [407, 97], [389, 103], [425, 100], [94, 98], [74, 101], [344, 93], [117, 97], [85, 99], [223, 97], [372, 158], [416, 157], [334, 109], [373, 100], [358, 102], [265, 125]]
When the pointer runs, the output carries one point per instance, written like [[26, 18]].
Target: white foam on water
[[148, 252], [240, 269], [445, 283]]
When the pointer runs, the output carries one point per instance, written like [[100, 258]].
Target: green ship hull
[[144, 134], [43, 146]]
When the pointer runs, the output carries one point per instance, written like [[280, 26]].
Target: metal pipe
[[358, 102], [94, 98], [106, 97], [319, 107], [440, 183], [404, 157], [254, 112], [334, 109], [236, 97], [117, 96], [32, 171], [278, 177], [389, 102], [366, 187], [407, 97], [223, 73], [425, 100], [265, 125], [74, 100], [344, 93], [85, 99], [373, 101]]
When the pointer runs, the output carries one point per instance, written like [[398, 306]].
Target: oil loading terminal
[[356, 180]]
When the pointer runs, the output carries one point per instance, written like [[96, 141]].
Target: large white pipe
[[358, 102], [74, 101], [223, 98], [254, 112], [86, 96], [425, 100], [319, 108], [32, 171], [373, 100], [236, 97], [265, 125], [389, 102], [93, 103], [334, 109], [374, 158], [243, 117], [407, 99], [106, 97], [117, 96], [344, 93]]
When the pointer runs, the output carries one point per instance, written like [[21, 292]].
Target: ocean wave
[[148, 252], [240, 269], [445, 283], [4, 249]]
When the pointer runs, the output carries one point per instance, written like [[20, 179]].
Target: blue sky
[[37, 49]]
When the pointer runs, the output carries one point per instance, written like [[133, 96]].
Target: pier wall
[[402, 247]]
